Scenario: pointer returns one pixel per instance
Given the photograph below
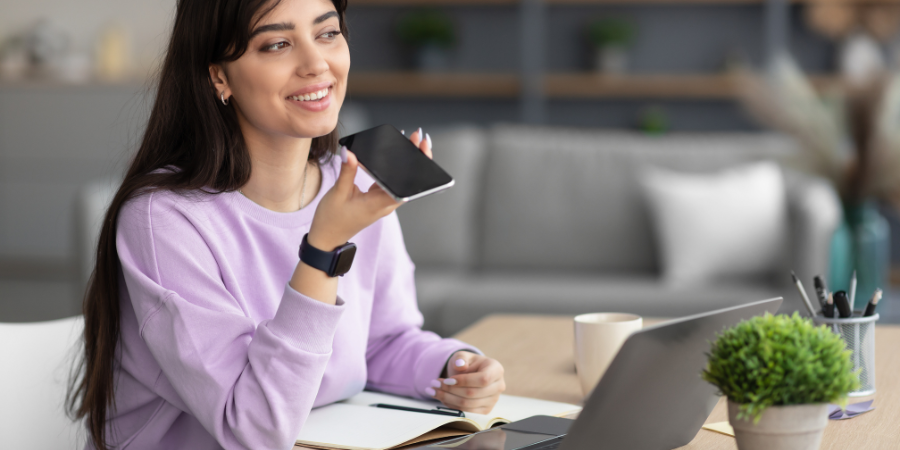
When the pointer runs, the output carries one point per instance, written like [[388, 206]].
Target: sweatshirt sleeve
[[402, 358], [249, 385]]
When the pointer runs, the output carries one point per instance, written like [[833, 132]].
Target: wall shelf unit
[[534, 86]]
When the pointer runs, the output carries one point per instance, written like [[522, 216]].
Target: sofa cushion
[[450, 302], [566, 199], [730, 224], [440, 230]]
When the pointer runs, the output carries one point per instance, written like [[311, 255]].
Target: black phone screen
[[395, 162]]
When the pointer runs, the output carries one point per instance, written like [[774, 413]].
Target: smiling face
[[291, 81]]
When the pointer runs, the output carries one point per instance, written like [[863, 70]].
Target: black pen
[[870, 308], [440, 410], [828, 311], [821, 291], [843, 304]]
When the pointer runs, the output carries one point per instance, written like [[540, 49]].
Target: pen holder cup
[[858, 333]]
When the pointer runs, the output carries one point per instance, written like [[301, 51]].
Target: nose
[[310, 61]]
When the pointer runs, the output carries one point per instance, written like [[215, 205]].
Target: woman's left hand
[[423, 141], [474, 383]]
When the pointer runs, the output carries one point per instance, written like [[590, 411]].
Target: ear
[[219, 81]]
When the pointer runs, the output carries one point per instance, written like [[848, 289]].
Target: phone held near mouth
[[396, 164]]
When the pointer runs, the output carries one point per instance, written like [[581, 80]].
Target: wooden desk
[[536, 352]]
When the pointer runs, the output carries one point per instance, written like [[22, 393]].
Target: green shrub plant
[[780, 360], [426, 26]]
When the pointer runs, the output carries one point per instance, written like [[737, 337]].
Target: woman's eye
[[275, 47], [330, 34]]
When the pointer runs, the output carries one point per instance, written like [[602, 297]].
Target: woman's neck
[[277, 174]]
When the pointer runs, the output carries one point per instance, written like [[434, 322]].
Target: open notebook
[[354, 425]]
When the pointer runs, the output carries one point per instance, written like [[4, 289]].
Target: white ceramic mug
[[598, 337]]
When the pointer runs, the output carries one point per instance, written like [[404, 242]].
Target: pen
[[440, 410], [842, 304], [870, 308], [828, 311], [852, 292], [821, 291], [809, 306]]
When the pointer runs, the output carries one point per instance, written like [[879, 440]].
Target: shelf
[[443, 85], [570, 86], [433, 2], [566, 2], [594, 86]]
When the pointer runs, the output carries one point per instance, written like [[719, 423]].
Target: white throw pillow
[[709, 227]]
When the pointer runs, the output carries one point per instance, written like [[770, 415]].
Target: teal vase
[[862, 243]]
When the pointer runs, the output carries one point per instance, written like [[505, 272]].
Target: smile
[[311, 97]]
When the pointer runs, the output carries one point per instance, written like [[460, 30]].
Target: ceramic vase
[[791, 427], [611, 59]]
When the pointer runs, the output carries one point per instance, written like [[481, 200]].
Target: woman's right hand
[[345, 209]]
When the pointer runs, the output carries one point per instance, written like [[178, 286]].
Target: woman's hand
[[345, 210], [474, 383]]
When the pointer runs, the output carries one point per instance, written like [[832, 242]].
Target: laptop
[[650, 397]]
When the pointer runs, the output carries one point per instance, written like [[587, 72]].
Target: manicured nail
[[344, 154], [420, 133], [450, 381], [428, 139], [430, 392], [435, 383], [460, 363]]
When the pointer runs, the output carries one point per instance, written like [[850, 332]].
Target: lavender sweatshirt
[[218, 351]]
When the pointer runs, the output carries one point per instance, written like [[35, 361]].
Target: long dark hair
[[191, 130]]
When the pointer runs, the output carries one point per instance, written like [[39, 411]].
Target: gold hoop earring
[[222, 96]]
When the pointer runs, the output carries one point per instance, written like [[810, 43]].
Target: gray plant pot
[[792, 427]]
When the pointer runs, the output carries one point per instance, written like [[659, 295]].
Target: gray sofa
[[552, 221]]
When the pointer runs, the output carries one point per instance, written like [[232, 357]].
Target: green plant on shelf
[[610, 32], [426, 27], [780, 360]]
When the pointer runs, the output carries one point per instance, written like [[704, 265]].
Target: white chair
[[35, 359]]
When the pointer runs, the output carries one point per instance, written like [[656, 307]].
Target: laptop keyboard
[[545, 445]]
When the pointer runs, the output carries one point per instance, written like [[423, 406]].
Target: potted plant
[[779, 374], [430, 33], [610, 39]]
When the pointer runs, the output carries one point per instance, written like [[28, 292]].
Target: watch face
[[345, 256]]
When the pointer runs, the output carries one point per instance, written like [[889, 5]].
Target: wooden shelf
[[443, 85], [432, 2], [570, 86], [595, 86]]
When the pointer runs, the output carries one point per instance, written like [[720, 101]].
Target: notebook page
[[509, 408], [356, 427]]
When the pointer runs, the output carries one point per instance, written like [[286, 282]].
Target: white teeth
[[310, 97]]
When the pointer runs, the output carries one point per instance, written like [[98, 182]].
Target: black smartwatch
[[334, 263]]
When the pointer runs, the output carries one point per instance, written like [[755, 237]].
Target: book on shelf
[[354, 424]]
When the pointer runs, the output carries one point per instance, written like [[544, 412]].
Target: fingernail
[[450, 381], [435, 383], [420, 132], [460, 363], [428, 139], [430, 391], [344, 154]]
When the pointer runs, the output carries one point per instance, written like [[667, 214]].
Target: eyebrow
[[284, 26]]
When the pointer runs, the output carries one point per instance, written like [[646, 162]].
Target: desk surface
[[536, 352]]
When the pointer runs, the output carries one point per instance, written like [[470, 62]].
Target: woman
[[202, 329]]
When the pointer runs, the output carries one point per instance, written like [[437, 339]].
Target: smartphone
[[396, 164]]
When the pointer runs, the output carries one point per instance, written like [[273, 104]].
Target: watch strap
[[320, 259]]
